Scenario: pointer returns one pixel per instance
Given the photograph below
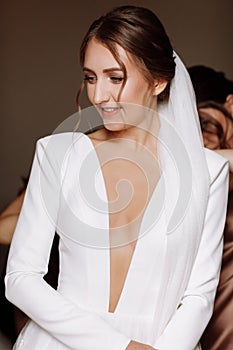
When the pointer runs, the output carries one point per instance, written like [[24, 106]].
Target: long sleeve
[[189, 321], [28, 259]]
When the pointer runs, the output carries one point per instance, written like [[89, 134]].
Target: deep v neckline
[[133, 261]]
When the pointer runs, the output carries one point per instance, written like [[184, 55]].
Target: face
[[210, 134], [104, 78]]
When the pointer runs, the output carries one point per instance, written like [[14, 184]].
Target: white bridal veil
[[181, 133]]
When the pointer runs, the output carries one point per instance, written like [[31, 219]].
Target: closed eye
[[117, 80], [90, 79]]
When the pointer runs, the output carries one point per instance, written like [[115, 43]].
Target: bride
[[139, 205]]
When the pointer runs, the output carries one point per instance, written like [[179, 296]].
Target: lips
[[109, 111]]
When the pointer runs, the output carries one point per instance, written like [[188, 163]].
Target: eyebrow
[[107, 70]]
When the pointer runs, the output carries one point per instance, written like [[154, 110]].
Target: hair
[[210, 125], [138, 31], [210, 85], [215, 105]]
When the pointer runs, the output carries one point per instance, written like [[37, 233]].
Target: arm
[[27, 264], [190, 319], [9, 218]]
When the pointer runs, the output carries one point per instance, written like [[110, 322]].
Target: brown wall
[[40, 71]]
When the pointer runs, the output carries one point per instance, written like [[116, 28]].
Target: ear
[[159, 86], [229, 104]]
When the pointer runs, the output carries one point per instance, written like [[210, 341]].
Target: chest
[[129, 187]]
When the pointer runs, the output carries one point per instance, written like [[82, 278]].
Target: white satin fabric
[[168, 295]]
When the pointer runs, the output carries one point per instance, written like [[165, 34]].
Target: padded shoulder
[[215, 163], [66, 137]]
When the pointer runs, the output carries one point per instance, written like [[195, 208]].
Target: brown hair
[[139, 31], [212, 126]]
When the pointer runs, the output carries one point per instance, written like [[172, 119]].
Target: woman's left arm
[[192, 316]]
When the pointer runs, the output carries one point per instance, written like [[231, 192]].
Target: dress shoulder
[[58, 146], [66, 137], [215, 163]]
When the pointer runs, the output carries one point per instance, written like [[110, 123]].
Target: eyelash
[[92, 79], [117, 80]]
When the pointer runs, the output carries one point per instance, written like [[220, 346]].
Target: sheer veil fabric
[[181, 113], [181, 140]]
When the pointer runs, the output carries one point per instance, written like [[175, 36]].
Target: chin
[[114, 126]]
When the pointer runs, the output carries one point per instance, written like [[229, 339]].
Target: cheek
[[146, 94], [136, 91], [90, 92]]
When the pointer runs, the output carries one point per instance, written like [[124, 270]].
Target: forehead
[[98, 57]]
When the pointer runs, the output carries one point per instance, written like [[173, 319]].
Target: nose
[[101, 93]]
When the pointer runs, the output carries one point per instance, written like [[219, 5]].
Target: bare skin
[[9, 218], [229, 104], [134, 345], [127, 199]]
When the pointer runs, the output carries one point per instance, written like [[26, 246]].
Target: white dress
[[160, 304]]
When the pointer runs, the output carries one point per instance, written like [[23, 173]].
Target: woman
[[219, 332], [213, 91], [131, 202]]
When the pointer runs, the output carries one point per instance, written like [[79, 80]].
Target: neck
[[144, 134]]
